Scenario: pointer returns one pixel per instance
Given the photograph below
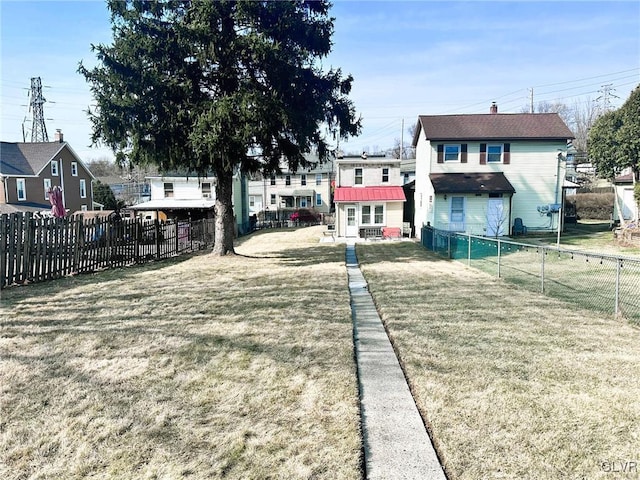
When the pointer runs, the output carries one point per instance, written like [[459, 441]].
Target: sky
[[408, 58]]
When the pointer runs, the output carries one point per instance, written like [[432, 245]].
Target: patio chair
[[518, 227]]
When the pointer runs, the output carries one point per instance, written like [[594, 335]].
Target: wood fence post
[[4, 254]]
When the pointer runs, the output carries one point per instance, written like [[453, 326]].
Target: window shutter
[[463, 153], [483, 154], [506, 155], [440, 153]]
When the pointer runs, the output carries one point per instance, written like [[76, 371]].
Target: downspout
[[62, 186], [510, 215]]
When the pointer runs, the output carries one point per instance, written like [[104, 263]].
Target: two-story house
[[478, 173], [368, 195], [29, 170], [187, 196], [276, 197]]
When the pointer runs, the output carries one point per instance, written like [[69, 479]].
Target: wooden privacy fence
[[35, 249]]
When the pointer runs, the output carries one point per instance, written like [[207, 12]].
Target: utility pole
[[38, 127], [531, 101], [402, 139]]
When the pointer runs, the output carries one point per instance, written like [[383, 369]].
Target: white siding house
[[369, 197], [624, 188], [478, 173], [276, 197], [178, 196]]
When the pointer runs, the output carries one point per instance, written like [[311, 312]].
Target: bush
[[593, 206]]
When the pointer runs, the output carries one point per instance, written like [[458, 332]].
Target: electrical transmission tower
[[38, 127], [604, 100]]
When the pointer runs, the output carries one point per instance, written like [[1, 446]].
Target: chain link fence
[[604, 283]]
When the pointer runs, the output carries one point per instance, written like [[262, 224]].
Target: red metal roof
[[369, 194]]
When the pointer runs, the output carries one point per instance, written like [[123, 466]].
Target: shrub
[[593, 206]]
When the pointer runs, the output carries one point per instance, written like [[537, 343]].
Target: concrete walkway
[[396, 443]]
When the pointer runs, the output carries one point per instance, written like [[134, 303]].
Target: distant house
[[276, 197], [624, 192], [28, 170], [187, 196], [478, 173], [368, 196]]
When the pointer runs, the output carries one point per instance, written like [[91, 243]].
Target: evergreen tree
[[219, 87]]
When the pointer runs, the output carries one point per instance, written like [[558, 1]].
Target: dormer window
[[54, 168]]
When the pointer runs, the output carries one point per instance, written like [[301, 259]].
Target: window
[[168, 190], [451, 153], [379, 214], [74, 169], [318, 199], [83, 188], [252, 201], [21, 187], [366, 215], [54, 168], [83, 207], [287, 180], [303, 202], [385, 174], [494, 153], [47, 186], [358, 176], [303, 180], [318, 179], [273, 179], [206, 189], [273, 199]]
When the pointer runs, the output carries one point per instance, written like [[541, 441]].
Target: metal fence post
[[499, 258], [469, 249], [542, 269], [448, 244], [617, 297]]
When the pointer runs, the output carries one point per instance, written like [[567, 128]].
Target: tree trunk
[[224, 224]]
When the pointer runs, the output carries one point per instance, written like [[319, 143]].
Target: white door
[[496, 219], [456, 216], [351, 221]]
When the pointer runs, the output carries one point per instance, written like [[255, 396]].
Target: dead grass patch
[[237, 367], [512, 384]]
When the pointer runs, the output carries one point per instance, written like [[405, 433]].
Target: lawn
[[198, 368], [592, 235], [511, 384]]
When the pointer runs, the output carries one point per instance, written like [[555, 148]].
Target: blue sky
[[408, 59]]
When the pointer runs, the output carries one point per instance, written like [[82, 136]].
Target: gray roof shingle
[[27, 158], [490, 182], [497, 126]]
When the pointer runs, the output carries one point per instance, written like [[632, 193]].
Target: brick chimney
[[58, 137], [494, 108]]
